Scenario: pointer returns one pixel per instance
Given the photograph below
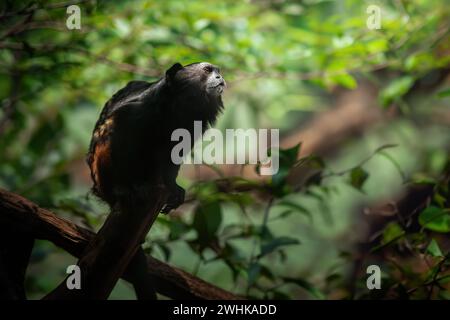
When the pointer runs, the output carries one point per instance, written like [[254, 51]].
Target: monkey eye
[[208, 69]]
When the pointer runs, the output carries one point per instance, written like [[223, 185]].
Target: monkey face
[[214, 82], [202, 76]]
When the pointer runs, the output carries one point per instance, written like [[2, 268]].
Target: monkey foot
[[176, 199]]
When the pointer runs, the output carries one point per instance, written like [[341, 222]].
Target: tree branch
[[111, 250], [40, 223], [15, 251]]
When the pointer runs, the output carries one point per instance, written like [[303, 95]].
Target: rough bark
[[40, 223]]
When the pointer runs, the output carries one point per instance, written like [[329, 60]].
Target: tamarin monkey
[[131, 143]]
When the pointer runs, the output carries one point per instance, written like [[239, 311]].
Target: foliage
[[283, 61]]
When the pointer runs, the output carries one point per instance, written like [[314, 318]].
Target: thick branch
[[111, 250], [43, 224], [15, 251]]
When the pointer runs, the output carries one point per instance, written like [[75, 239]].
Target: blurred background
[[364, 119]]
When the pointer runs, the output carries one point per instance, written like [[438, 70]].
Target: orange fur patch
[[101, 163]]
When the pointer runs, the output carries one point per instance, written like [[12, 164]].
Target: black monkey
[[131, 143]]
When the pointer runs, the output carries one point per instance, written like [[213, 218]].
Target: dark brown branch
[[111, 250], [43, 224], [15, 251]]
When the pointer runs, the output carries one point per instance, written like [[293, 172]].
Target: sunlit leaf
[[296, 207], [433, 249], [357, 177], [396, 89], [345, 80], [435, 219], [392, 232], [276, 243]]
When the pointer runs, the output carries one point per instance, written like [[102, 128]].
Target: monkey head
[[203, 77]]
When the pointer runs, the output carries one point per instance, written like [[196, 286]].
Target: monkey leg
[[176, 193]]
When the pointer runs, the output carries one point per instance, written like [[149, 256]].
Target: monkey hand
[[176, 198]]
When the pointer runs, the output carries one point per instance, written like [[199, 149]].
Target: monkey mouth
[[221, 84], [220, 87]]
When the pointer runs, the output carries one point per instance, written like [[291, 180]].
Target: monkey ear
[[173, 70]]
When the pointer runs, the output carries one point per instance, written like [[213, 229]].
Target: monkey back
[[99, 157]]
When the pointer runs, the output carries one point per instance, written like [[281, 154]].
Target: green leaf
[[253, 272], [291, 154], [296, 207], [357, 177], [392, 232], [435, 219], [444, 93], [283, 214], [288, 159], [165, 250], [434, 250], [264, 233], [207, 220], [422, 61], [279, 178], [276, 243], [396, 89], [444, 295], [307, 286], [177, 229], [311, 161], [267, 273], [345, 80]]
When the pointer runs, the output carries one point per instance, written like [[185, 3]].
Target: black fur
[[142, 117]]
